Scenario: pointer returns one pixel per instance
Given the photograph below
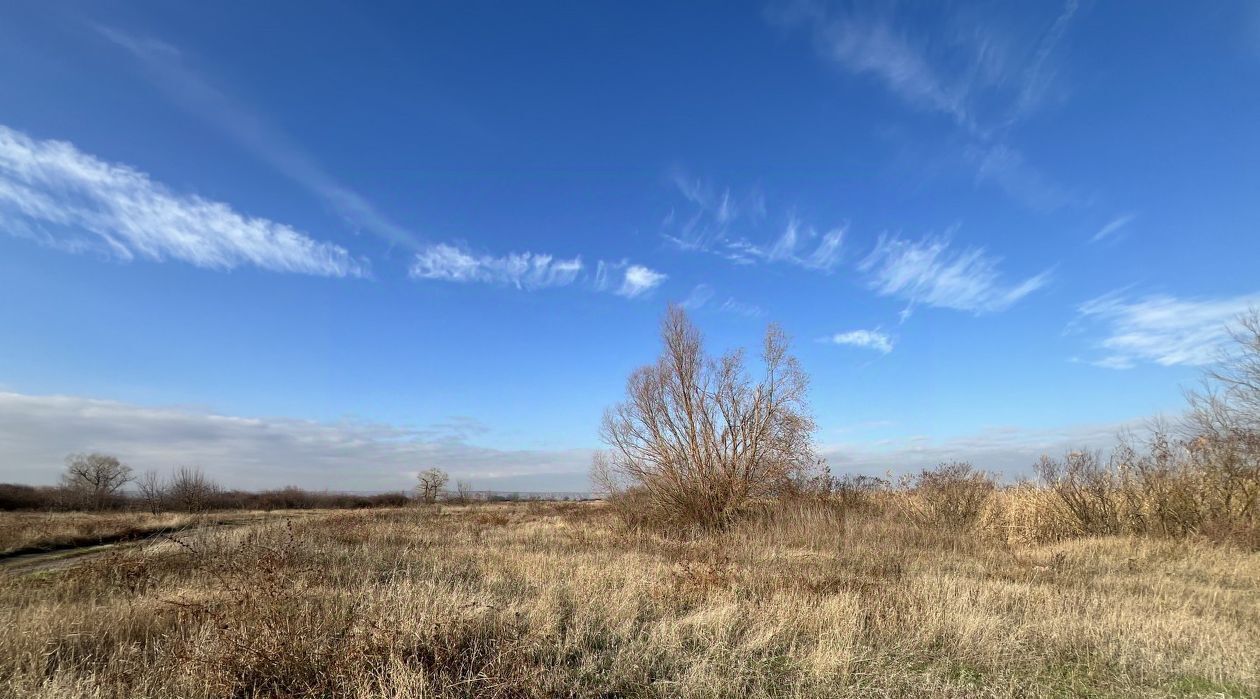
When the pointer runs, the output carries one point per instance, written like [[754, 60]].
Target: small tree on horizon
[[431, 482], [94, 480]]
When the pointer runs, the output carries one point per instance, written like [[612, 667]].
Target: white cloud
[[699, 296], [625, 279], [824, 256], [982, 70], [721, 223], [1113, 227], [1163, 329], [36, 432], [531, 271], [869, 339], [873, 47], [741, 308], [930, 272], [165, 67], [712, 213], [1009, 451], [52, 192], [526, 270], [978, 70], [1007, 168], [639, 280], [703, 293]]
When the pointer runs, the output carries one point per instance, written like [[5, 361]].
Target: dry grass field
[[34, 531], [562, 600]]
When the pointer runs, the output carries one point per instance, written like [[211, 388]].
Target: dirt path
[[27, 563]]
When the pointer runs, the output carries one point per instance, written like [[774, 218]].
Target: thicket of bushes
[[1165, 487]]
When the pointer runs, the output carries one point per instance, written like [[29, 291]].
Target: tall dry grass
[[23, 531], [563, 600]]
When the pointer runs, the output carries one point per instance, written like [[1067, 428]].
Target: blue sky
[[335, 244]]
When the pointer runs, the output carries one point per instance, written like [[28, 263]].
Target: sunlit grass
[[558, 600]]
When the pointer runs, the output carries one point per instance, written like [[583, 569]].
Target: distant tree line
[[96, 481], [101, 482]]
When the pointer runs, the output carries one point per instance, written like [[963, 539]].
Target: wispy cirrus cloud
[[985, 73], [167, 67], [1113, 228], [868, 45], [1008, 170], [731, 226], [977, 70], [868, 339], [933, 272], [445, 262], [1160, 328], [52, 192], [530, 271], [626, 279], [741, 308], [702, 294], [800, 245]]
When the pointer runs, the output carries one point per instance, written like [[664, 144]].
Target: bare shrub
[[93, 481], [190, 490], [949, 497], [1160, 487], [697, 437], [152, 490], [858, 492], [1087, 488], [635, 509]]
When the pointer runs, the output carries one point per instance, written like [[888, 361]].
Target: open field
[[559, 600]]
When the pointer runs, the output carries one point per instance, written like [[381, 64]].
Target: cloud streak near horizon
[[1007, 451], [37, 432]]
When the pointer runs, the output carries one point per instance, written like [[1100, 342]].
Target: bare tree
[[93, 480], [700, 436], [1224, 423], [190, 490], [431, 483], [463, 490], [152, 490], [1229, 402]]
